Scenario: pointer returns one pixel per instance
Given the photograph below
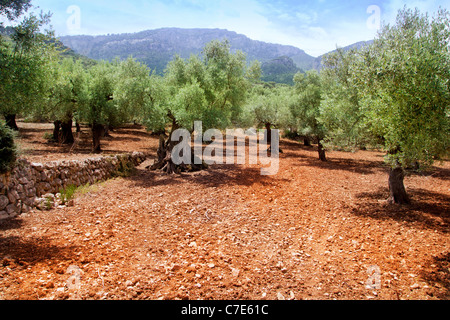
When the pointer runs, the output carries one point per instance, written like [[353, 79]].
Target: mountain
[[157, 47], [280, 70], [318, 61]]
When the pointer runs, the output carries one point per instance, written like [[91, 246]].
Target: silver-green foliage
[[404, 78]]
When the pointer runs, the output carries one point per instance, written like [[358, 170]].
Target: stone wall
[[30, 185]]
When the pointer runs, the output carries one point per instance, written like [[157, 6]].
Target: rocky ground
[[313, 231]]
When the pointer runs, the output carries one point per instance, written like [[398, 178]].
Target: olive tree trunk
[[98, 131], [11, 121], [66, 132], [307, 141], [397, 189], [56, 130], [322, 153], [164, 161]]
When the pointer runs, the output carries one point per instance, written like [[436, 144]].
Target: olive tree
[[98, 106], [306, 110], [114, 94], [341, 114], [404, 78], [269, 107], [210, 88], [66, 95], [14, 8], [24, 68]]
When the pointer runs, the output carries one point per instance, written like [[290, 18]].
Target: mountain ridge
[[158, 46]]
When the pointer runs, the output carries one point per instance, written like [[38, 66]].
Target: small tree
[[132, 90], [307, 108], [269, 108], [405, 76], [115, 93], [341, 114], [24, 63], [98, 107], [66, 94]]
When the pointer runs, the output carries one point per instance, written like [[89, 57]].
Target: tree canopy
[[14, 8]]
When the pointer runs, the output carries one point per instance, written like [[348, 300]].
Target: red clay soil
[[313, 231]]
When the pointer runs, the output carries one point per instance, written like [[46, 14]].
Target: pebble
[[415, 286]]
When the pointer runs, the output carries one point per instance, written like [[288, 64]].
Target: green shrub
[[8, 149], [68, 193]]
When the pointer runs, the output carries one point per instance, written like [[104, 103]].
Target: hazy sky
[[314, 26]]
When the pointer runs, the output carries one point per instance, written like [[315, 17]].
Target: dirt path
[[313, 231]]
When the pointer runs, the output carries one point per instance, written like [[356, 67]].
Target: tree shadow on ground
[[131, 132], [10, 224], [122, 139], [32, 250], [338, 164], [37, 145], [439, 276], [214, 176], [434, 172], [311, 159], [428, 210], [25, 133]]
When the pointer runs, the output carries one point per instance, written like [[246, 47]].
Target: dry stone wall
[[35, 185]]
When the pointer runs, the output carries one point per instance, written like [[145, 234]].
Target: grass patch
[[68, 193]]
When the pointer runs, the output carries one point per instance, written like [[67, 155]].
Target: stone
[[25, 208], [20, 188], [30, 192], [58, 182], [13, 196], [44, 204], [37, 166], [13, 210], [23, 181], [38, 202], [3, 215], [29, 201], [44, 187], [4, 201], [44, 176]]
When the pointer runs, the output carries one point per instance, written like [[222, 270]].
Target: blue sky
[[314, 26]]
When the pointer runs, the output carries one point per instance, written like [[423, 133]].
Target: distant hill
[[318, 61], [157, 47], [6, 31], [280, 70]]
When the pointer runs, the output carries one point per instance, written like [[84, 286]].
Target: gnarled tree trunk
[[11, 121], [66, 132], [98, 131], [56, 130], [77, 124], [268, 134], [164, 161], [322, 154], [397, 189], [307, 141], [268, 138]]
